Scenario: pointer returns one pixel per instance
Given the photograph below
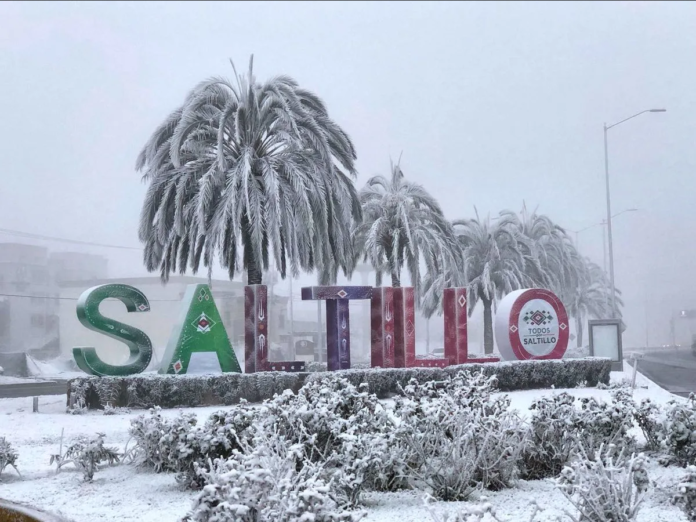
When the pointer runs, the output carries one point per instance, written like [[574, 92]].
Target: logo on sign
[[538, 327]]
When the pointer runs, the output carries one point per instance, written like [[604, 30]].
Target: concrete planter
[[11, 512]]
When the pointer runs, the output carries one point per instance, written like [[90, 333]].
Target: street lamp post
[[606, 172], [604, 239]]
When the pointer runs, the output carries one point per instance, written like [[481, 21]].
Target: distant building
[[29, 303], [28, 320], [76, 266]]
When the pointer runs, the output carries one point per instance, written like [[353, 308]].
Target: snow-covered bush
[[607, 424], [8, 456], [348, 428], [457, 438], [110, 410], [686, 494], [650, 419], [268, 481], [601, 489], [223, 433], [553, 431], [481, 512], [680, 431], [157, 439], [623, 383], [86, 454]]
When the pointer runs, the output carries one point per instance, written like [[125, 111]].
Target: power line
[[76, 298], [19, 233]]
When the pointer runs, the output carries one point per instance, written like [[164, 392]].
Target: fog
[[489, 104]]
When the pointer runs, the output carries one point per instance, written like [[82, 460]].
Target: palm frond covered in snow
[[494, 263], [250, 171], [591, 298], [403, 225]]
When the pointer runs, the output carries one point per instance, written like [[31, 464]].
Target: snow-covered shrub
[[603, 491], [316, 366], [223, 433], [481, 512], [324, 408], [607, 424], [680, 431], [77, 397], [457, 438], [650, 419], [623, 383], [553, 431], [157, 439], [268, 481], [686, 494], [8, 456], [342, 426], [86, 454], [110, 410]]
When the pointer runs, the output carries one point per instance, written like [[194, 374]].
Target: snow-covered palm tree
[[548, 251], [591, 298], [494, 264], [402, 225], [249, 171]]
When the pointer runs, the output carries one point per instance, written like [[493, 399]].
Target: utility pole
[[317, 347], [609, 216], [604, 245], [647, 323], [292, 324]]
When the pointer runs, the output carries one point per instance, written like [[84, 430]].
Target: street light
[[606, 171], [604, 239]]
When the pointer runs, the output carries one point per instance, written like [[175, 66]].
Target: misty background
[[491, 104]]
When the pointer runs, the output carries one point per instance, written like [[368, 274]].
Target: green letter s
[[137, 341]]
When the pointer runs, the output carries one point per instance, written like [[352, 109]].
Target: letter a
[[137, 341], [199, 329]]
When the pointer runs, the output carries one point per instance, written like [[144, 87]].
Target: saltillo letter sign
[[531, 324]]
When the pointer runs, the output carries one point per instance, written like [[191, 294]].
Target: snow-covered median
[[127, 493]]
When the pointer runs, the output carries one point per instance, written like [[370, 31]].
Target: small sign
[[531, 324]]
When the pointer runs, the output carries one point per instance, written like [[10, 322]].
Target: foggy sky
[[491, 104]]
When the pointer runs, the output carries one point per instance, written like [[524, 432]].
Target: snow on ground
[[55, 369], [127, 494]]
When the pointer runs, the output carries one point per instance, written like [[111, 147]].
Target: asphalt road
[[673, 370], [33, 389]]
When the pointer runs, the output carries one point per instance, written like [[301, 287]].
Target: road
[[33, 389], [674, 370]]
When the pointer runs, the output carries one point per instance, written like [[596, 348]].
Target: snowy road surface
[[674, 370]]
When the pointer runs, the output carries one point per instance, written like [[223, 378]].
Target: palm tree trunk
[[396, 280], [252, 266], [578, 328], [487, 326]]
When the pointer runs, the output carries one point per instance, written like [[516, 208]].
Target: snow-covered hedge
[[170, 391]]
